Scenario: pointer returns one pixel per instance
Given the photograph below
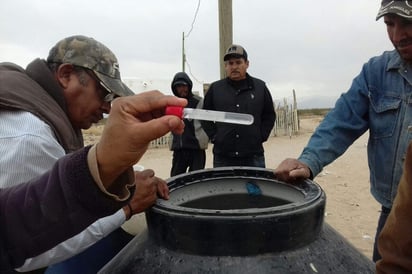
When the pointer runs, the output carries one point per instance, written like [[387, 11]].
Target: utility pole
[[225, 31], [183, 52]]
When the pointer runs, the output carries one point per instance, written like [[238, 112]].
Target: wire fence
[[287, 121]]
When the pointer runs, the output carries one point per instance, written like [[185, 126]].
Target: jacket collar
[[396, 62], [242, 85], [39, 72]]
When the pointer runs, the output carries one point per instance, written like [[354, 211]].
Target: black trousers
[[185, 160]]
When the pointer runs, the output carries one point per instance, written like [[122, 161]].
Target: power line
[[191, 74], [186, 36], [194, 19]]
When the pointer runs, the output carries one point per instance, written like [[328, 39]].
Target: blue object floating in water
[[253, 189]]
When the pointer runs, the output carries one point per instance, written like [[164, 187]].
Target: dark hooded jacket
[[193, 136]]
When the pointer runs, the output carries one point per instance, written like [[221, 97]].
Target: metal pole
[[225, 31], [183, 52]]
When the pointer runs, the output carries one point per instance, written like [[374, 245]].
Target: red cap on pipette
[[174, 110]]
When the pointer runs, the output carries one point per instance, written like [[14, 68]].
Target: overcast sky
[[314, 47]]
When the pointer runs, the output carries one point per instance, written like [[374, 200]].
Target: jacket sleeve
[[78, 243], [200, 134], [268, 116], [208, 126], [395, 240], [346, 122], [37, 215]]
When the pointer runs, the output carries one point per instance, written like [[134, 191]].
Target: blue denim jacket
[[379, 100]]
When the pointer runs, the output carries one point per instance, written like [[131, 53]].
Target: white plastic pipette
[[210, 115]]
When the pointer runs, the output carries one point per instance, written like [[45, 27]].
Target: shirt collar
[[395, 61]]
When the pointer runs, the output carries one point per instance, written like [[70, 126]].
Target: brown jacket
[[395, 240], [36, 91]]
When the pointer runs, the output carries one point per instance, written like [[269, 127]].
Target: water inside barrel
[[234, 201]]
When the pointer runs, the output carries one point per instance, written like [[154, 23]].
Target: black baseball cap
[[235, 51]]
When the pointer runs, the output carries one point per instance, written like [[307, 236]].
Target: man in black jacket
[[239, 145], [188, 148]]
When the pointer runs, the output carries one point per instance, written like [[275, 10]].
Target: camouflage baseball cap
[[401, 8], [88, 53]]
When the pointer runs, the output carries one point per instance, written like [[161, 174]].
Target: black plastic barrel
[[239, 220]]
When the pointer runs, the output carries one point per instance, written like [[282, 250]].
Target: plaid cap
[[235, 51], [88, 53], [399, 7]]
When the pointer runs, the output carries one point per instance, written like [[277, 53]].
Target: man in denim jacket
[[379, 100]]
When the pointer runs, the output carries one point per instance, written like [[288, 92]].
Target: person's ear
[[247, 64], [63, 74]]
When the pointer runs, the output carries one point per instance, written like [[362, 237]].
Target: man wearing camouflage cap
[[378, 101], [43, 109]]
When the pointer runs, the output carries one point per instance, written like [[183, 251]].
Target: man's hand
[[291, 170], [148, 189], [134, 121]]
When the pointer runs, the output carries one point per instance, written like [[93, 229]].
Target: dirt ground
[[350, 208]]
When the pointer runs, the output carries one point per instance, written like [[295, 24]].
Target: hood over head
[[181, 78]]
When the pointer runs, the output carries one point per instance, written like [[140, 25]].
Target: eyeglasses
[[110, 96]]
